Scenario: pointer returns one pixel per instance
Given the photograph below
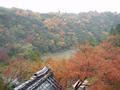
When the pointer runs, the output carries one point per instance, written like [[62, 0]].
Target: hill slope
[[28, 33]]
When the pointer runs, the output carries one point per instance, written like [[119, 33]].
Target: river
[[65, 54]]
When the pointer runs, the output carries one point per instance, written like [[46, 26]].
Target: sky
[[68, 6]]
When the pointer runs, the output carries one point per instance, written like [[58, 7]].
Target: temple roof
[[41, 80]]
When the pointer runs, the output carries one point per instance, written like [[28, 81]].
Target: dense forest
[[23, 30], [25, 36]]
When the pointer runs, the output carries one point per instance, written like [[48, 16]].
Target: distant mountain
[[23, 31]]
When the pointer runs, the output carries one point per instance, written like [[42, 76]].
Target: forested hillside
[[92, 39], [27, 33], [100, 64]]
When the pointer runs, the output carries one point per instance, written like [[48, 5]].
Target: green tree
[[30, 52], [116, 30], [116, 36]]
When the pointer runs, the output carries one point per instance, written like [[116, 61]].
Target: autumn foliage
[[100, 64]]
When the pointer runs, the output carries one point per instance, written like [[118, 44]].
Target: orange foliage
[[101, 62], [51, 23]]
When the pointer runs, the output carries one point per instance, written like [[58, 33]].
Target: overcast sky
[[69, 6]]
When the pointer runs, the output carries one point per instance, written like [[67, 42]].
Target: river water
[[66, 54]]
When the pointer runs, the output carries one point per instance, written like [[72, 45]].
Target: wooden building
[[41, 80]]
